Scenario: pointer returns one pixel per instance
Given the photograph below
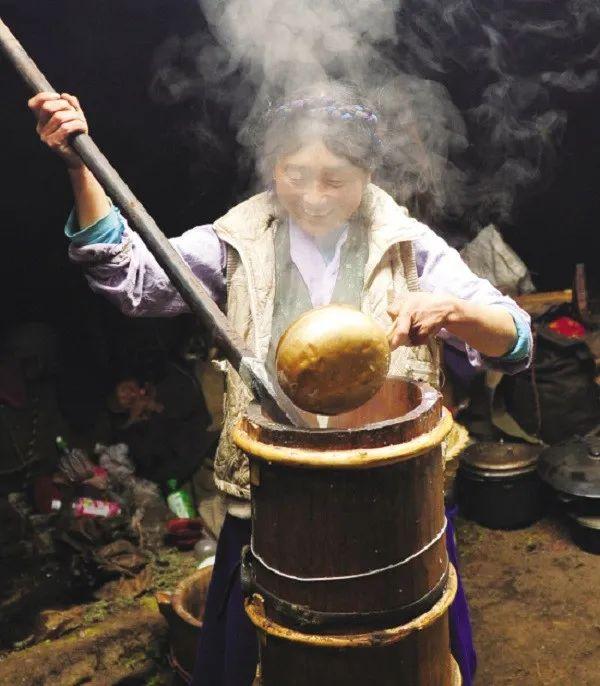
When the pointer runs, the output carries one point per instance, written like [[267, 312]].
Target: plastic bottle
[[73, 463], [88, 507], [179, 501]]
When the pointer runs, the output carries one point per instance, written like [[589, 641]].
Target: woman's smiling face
[[318, 189]]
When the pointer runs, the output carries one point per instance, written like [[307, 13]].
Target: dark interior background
[[104, 53]]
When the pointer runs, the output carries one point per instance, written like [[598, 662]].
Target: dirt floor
[[534, 597], [535, 604], [98, 643]]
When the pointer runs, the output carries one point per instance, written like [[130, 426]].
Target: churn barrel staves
[[347, 578]]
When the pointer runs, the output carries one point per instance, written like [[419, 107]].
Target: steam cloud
[[472, 94]]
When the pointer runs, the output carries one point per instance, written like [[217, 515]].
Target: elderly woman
[[321, 233]]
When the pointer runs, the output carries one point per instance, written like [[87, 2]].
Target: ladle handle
[[179, 273]]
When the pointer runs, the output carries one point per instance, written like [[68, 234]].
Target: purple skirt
[[228, 651]]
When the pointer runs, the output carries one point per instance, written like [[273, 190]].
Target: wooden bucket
[[184, 610], [349, 527]]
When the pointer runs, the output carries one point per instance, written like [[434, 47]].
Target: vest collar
[[391, 222], [390, 225], [248, 221]]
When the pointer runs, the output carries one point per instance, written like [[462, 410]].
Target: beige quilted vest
[[248, 229]]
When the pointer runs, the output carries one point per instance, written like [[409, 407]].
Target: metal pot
[[572, 470], [585, 532], [498, 486], [573, 467]]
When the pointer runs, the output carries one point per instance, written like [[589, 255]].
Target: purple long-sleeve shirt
[[119, 266]]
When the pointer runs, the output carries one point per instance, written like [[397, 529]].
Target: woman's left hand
[[417, 316]]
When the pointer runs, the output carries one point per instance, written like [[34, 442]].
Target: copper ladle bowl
[[332, 359]]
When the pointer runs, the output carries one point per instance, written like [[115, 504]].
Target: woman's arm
[[117, 263], [126, 273], [59, 117], [463, 308], [91, 202], [490, 329]]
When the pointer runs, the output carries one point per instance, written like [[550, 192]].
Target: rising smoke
[[473, 94]]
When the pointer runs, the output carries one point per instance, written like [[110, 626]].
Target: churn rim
[[351, 458]]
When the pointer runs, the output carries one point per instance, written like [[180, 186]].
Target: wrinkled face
[[319, 189]]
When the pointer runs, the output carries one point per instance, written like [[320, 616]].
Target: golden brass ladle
[[332, 359]]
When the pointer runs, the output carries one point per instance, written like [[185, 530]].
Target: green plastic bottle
[[179, 501], [61, 446]]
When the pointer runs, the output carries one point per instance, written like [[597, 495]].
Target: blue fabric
[[522, 347], [461, 634], [107, 230], [228, 647]]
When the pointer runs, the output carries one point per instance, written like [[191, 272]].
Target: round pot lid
[[500, 457], [573, 466]]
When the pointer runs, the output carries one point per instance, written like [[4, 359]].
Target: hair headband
[[326, 106]]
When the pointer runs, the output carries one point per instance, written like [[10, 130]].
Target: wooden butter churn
[[347, 578]]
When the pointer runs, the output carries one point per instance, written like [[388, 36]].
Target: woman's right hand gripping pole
[[59, 117]]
